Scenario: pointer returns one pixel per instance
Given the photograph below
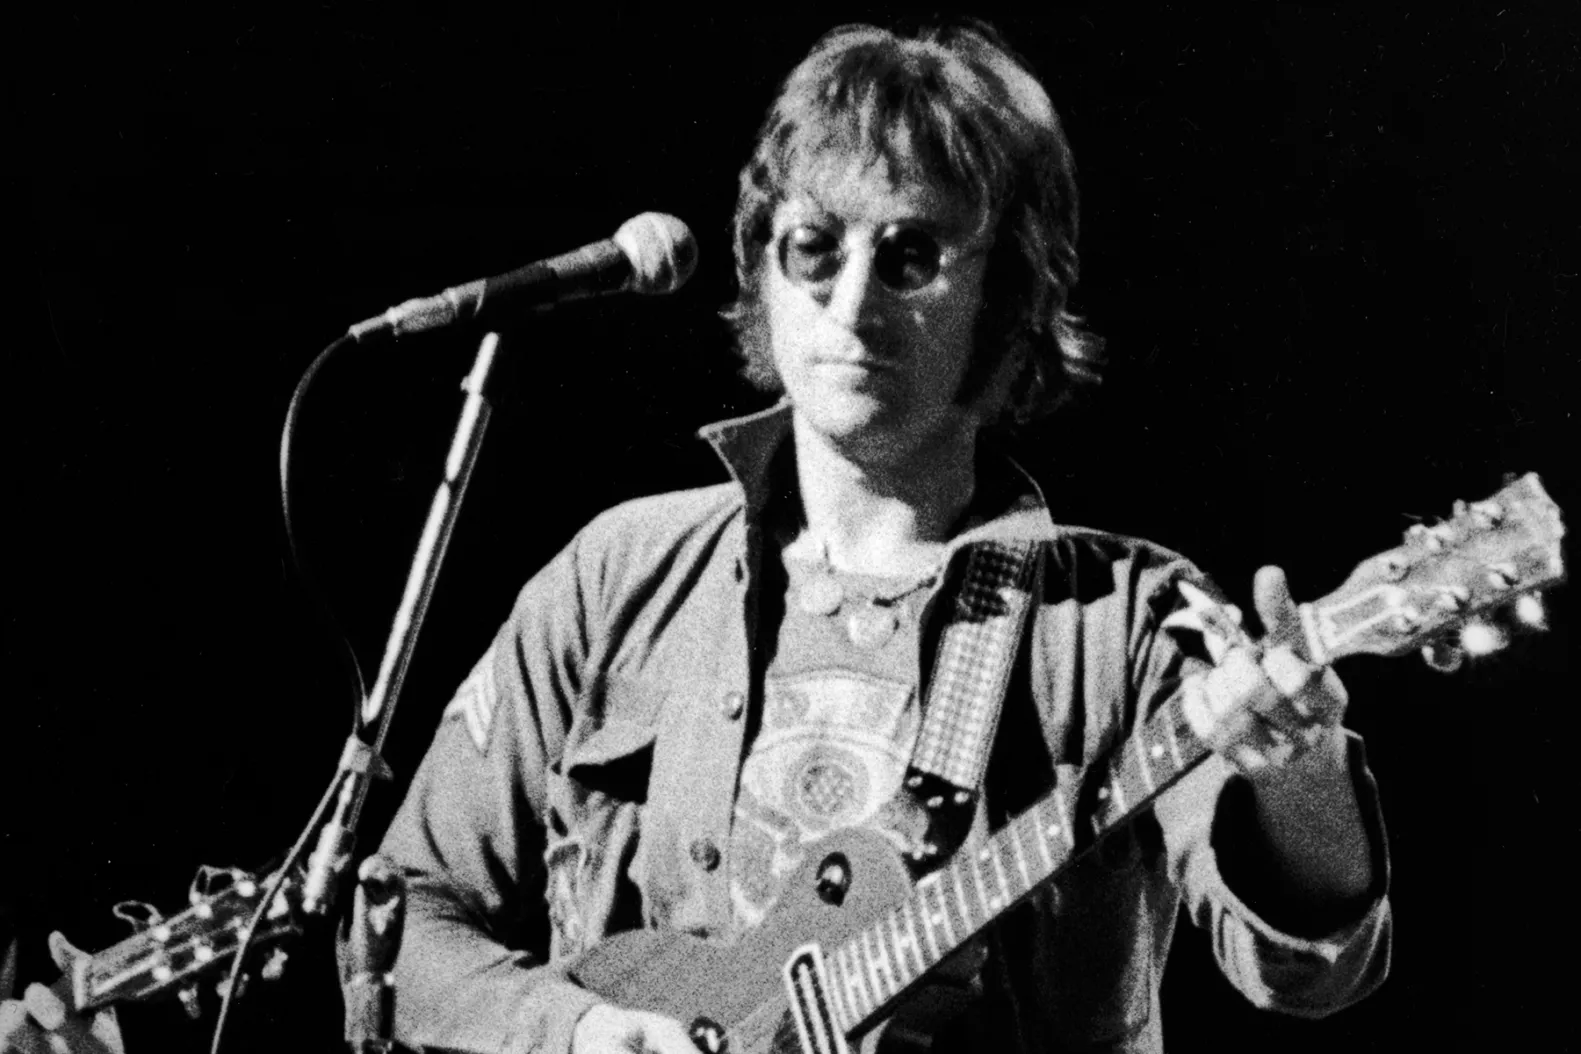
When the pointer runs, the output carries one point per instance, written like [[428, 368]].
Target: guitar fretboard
[[871, 970]]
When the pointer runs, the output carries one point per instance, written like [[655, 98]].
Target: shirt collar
[[1008, 506]]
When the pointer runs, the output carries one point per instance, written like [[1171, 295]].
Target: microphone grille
[[661, 249]]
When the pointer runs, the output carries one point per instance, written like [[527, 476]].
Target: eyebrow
[[807, 209]]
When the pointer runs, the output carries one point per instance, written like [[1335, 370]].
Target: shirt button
[[734, 703], [705, 854]]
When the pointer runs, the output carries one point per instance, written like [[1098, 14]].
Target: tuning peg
[[1407, 619], [1443, 655], [1502, 575], [137, 914], [1529, 611], [1394, 567], [189, 1001], [1430, 538], [223, 986], [1481, 638], [274, 967], [1487, 513], [211, 880], [1452, 598]]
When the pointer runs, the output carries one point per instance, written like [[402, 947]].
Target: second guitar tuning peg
[[1481, 638], [1444, 655], [1528, 609]]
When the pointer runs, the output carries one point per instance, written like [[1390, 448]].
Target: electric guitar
[[853, 933]]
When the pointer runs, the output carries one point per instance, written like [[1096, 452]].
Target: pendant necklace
[[870, 621]]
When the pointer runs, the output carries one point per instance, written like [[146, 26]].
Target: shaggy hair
[[952, 104]]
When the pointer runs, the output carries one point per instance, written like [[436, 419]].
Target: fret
[[1063, 828], [1143, 760], [935, 919], [965, 905], [1131, 792], [905, 941], [879, 973], [1180, 729], [833, 994], [851, 981], [820, 1031], [973, 862], [1169, 718], [1060, 827], [1007, 892], [845, 1016], [1041, 835], [807, 994], [1110, 807], [1013, 836], [996, 902]]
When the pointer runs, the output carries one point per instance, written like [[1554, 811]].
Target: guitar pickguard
[[740, 985]]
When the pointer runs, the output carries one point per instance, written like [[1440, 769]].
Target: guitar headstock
[[1488, 555], [173, 954]]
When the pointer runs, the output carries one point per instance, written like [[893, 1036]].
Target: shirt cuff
[[550, 1016], [1251, 880]]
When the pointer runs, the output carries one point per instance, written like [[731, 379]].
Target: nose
[[853, 302]]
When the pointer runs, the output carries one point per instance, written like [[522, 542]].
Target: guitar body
[[739, 987]]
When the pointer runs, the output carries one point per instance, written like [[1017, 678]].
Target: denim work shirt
[[583, 782]]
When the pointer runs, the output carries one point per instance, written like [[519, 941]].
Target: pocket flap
[[620, 723]]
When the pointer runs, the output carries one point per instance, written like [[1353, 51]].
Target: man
[[702, 684]]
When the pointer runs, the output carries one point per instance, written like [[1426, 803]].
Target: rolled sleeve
[[1309, 974], [474, 970]]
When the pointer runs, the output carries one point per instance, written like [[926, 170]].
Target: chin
[[848, 415], [876, 432]]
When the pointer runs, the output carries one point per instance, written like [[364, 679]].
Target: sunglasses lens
[[907, 260], [809, 256]]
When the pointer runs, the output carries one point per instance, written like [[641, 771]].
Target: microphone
[[651, 253]]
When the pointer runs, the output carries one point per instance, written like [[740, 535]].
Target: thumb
[[1276, 608], [63, 951]]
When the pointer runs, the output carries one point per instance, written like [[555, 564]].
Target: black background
[[1333, 253]]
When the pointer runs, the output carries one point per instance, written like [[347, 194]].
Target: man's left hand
[[1261, 711]]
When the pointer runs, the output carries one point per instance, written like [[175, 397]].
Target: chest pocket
[[596, 795]]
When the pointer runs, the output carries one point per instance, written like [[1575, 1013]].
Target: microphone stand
[[360, 761], [378, 914]]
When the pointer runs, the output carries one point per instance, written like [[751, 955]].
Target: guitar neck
[[1486, 555], [874, 968]]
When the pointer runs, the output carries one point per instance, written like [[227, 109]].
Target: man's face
[[872, 289]]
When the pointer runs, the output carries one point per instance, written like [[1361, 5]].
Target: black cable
[[320, 601], [273, 885], [271, 890]]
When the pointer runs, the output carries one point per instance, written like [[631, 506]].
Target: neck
[[890, 517]]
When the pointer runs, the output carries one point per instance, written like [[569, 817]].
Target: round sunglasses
[[905, 259]]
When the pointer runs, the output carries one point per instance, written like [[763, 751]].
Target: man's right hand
[[41, 1023], [609, 1029]]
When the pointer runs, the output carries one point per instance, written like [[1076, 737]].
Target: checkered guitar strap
[[976, 652]]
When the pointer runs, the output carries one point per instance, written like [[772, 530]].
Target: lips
[[862, 362]]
